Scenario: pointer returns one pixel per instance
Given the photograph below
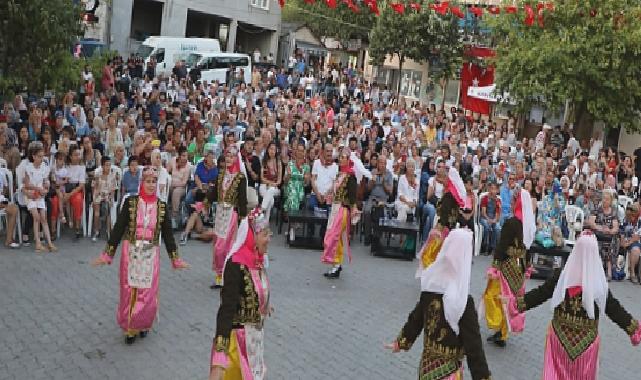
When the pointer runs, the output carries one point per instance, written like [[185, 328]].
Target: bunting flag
[[281, 3], [477, 11], [511, 9], [373, 7], [529, 15], [457, 12], [398, 7], [350, 4], [415, 6], [331, 3], [494, 10]]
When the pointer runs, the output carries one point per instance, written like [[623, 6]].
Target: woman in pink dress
[[143, 221], [231, 195], [579, 296]]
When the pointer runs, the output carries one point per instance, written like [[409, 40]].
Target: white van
[[169, 50], [213, 66]]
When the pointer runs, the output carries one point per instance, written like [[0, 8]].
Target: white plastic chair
[[575, 217]]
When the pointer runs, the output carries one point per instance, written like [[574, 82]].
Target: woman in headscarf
[[509, 270], [336, 242], [446, 313], [142, 223], [449, 215], [231, 196], [579, 294], [237, 350]]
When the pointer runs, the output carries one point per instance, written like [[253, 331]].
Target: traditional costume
[[141, 225], [509, 270], [238, 345], [231, 208], [336, 242], [446, 314], [578, 295], [449, 214]]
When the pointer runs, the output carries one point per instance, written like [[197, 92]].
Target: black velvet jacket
[[235, 195], [346, 192], [125, 228], [443, 350], [239, 304], [575, 330]]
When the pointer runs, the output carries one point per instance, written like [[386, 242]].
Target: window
[[160, 55], [263, 4]]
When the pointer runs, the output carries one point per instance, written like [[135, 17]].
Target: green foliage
[[588, 52], [36, 37], [340, 23], [422, 37]]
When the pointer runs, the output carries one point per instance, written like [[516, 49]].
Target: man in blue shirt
[[507, 191], [131, 177]]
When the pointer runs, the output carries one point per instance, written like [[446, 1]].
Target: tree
[[36, 37], [587, 52], [340, 23], [420, 36]]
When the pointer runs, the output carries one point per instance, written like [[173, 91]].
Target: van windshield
[[192, 60], [144, 51]]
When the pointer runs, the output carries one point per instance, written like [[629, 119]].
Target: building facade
[[239, 25]]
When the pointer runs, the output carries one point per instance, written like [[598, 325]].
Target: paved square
[[57, 320]]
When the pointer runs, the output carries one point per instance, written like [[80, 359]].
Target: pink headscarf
[[148, 198]]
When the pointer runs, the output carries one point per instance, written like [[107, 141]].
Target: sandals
[[52, 248], [39, 248]]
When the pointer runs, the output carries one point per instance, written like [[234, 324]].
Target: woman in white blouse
[[407, 193], [36, 186]]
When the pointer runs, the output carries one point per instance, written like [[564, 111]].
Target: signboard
[[488, 93]]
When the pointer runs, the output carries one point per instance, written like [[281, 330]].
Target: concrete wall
[[174, 19]]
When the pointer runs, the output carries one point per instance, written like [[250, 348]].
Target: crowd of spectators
[[82, 153]]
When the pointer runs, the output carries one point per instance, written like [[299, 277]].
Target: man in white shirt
[[323, 175]]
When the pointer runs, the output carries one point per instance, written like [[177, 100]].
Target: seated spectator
[[180, 169], [201, 196], [10, 209], [271, 178], [467, 212], [550, 217], [104, 188], [490, 219], [324, 172], [74, 189], [297, 175], [131, 177], [630, 240], [435, 190], [605, 224], [407, 197], [379, 187]]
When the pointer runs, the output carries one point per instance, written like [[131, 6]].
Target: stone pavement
[[57, 320]]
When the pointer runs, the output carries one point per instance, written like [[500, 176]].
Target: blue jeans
[[491, 232], [428, 213]]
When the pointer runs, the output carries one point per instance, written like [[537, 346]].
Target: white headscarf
[[450, 275], [585, 269], [529, 221]]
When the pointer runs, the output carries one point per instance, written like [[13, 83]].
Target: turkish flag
[[281, 3], [415, 6], [478, 11], [529, 15], [457, 12], [494, 10], [350, 4], [473, 75], [511, 9]]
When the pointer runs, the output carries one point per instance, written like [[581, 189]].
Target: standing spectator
[[74, 191], [296, 176], [9, 208], [407, 196], [324, 171], [380, 187], [36, 186], [107, 77], [606, 226], [104, 187], [179, 169], [490, 219]]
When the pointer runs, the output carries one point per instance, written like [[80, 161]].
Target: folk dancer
[[237, 351], [342, 215], [446, 314], [141, 224], [579, 294], [507, 275], [231, 208]]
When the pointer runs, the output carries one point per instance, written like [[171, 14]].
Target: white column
[[121, 13], [174, 20], [231, 36], [273, 44]]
